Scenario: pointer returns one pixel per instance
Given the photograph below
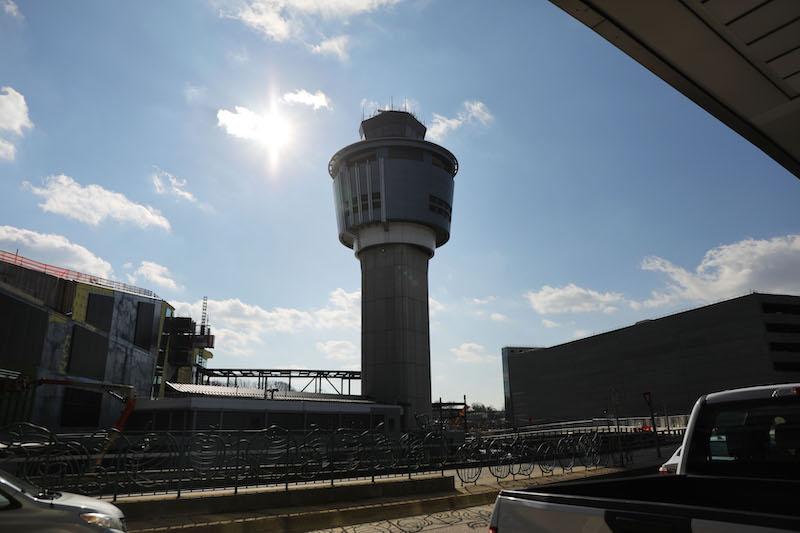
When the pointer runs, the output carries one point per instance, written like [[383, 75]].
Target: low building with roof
[[196, 407]]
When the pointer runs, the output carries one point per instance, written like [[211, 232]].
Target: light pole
[[648, 397]]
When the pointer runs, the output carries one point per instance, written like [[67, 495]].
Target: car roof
[[755, 393]]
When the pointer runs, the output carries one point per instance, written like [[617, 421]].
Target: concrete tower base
[[395, 339]]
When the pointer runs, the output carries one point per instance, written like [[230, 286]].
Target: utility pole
[[466, 408], [615, 407]]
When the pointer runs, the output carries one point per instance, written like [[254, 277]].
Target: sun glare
[[269, 129]]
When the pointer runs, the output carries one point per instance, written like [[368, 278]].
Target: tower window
[[787, 366], [784, 347], [782, 328], [401, 152], [439, 206], [441, 162], [781, 309]]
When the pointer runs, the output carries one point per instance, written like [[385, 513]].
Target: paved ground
[[456, 521]]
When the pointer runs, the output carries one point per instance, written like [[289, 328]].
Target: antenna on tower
[[204, 316]]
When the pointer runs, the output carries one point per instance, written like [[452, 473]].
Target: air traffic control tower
[[393, 193]]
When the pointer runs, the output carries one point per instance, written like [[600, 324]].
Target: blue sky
[[183, 147]]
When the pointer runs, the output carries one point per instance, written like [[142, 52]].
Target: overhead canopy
[[737, 59]]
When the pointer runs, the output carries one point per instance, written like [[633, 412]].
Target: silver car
[[26, 507]]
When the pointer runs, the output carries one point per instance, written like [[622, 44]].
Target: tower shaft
[[395, 337], [393, 193]]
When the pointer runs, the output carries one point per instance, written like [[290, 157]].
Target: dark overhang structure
[[309, 378], [738, 60]]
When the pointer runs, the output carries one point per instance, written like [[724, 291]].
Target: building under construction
[[77, 349]]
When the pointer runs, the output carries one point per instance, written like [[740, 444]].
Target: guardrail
[[110, 463], [72, 275], [627, 424]]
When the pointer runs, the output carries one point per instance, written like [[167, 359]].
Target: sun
[[269, 128], [272, 130]]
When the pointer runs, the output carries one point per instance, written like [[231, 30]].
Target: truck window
[[754, 439]]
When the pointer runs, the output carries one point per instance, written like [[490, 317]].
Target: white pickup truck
[[739, 472]]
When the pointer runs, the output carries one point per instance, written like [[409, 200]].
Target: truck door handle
[[620, 522]]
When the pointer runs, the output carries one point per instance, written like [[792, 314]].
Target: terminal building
[[195, 407], [750, 340]]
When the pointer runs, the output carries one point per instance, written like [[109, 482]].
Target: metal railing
[[110, 463], [72, 275], [671, 424]]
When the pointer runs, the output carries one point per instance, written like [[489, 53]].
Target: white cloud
[[572, 299], [498, 317], [435, 306], [242, 328], [53, 249], [472, 111], [580, 333], [442, 126], [343, 311], [154, 273], [7, 150], [12, 9], [727, 271], [194, 93], [475, 110], [240, 56], [301, 20], [471, 352], [317, 100], [339, 350], [369, 107], [265, 17], [549, 324], [167, 183], [268, 129], [13, 116], [482, 301], [767, 265], [13, 111], [341, 9], [93, 204], [334, 46]]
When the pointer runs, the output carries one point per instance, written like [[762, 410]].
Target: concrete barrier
[[146, 508]]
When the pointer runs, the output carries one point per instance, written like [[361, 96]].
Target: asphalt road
[[457, 521]]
